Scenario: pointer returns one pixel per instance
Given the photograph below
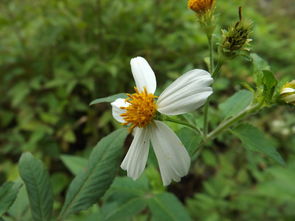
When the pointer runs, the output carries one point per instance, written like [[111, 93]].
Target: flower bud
[[288, 92], [236, 38], [200, 6]]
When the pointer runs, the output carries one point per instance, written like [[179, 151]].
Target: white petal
[[136, 157], [186, 94], [143, 75], [290, 98], [117, 111], [173, 159], [287, 90]]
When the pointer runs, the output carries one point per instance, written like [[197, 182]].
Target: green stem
[[217, 68], [211, 68], [206, 109], [210, 42], [225, 125], [166, 118]]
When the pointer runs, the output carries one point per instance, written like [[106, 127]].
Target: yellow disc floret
[[141, 110]]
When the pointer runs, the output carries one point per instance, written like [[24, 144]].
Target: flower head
[[138, 111], [288, 92], [236, 38], [200, 6], [141, 110]]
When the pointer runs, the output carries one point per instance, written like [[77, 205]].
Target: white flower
[[185, 94]]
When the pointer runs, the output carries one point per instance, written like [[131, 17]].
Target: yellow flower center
[[141, 110]]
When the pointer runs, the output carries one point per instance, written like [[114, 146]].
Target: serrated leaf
[[73, 163], [254, 140], [38, 186], [8, 194], [236, 103], [108, 99], [166, 206], [88, 186]]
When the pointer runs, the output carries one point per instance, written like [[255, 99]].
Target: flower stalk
[[211, 68]]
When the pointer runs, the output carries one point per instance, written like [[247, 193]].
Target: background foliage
[[58, 55]]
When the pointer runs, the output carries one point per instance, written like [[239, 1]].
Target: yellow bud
[[200, 6], [288, 92]]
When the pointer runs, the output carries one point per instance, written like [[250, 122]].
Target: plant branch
[[224, 126]]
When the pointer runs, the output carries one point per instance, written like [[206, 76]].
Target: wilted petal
[[186, 94], [143, 75], [116, 109], [173, 159], [136, 157]]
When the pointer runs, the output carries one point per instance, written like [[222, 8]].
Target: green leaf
[[128, 186], [122, 210], [264, 78], [259, 64], [125, 198], [254, 140], [236, 103], [279, 185], [73, 163], [108, 99], [8, 194], [166, 206], [189, 138], [88, 186], [38, 186], [20, 209], [269, 85]]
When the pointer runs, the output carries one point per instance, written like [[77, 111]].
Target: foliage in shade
[[89, 185], [38, 186], [8, 194], [254, 140]]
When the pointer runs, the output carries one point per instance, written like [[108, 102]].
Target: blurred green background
[[56, 56]]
